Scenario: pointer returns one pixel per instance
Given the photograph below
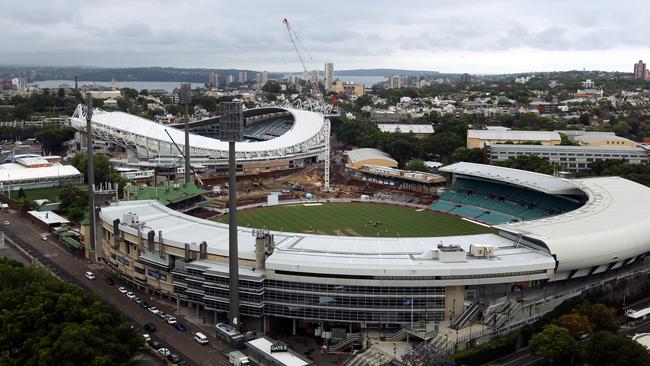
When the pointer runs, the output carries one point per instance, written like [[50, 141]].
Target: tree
[[577, 324], [271, 86], [554, 343], [531, 163], [45, 321], [601, 317], [469, 155], [442, 144], [417, 165], [101, 166], [24, 204], [21, 193], [606, 348]]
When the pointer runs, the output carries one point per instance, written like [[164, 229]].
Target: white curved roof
[[367, 153], [536, 181], [326, 254], [613, 225], [11, 172], [306, 126]]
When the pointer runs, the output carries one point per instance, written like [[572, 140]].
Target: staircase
[[370, 357], [347, 342], [468, 316]]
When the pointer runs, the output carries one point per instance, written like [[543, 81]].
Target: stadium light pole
[[232, 122], [186, 98], [91, 172]]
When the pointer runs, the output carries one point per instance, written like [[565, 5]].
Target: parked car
[[164, 352], [155, 344], [150, 327], [161, 314], [180, 327], [144, 304], [200, 338], [6, 223], [44, 237], [137, 300], [153, 310], [170, 320], [130, 295], [122, 290], [146, 337], [174, 358], [89, 275]]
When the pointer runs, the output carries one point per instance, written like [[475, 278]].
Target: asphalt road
[[72, 268]]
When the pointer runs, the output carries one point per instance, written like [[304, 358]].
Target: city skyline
[[486, 38]]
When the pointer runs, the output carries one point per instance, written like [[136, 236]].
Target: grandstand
[[495, 201], [268, 130]]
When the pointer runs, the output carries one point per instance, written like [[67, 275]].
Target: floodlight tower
[[186, 98], [91, 172], [232, 122]]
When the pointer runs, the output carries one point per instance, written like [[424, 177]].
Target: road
[[72, 268], [521, 358]]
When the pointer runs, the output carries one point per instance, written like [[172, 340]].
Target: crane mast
[[319, 97]]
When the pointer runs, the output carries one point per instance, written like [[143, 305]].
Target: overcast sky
[[487, 36]]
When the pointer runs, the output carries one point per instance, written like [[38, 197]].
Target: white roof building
[[17, 176]]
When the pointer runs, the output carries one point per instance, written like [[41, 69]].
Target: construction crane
[[313, 81], [304, 56]]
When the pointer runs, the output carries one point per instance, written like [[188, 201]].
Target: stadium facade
[[276, 139], [550, 232]]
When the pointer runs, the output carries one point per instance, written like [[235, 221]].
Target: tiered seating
[[467, 211], [443, 206], [494, 218], [496, 203]]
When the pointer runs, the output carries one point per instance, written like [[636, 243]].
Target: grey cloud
[[226, 34]]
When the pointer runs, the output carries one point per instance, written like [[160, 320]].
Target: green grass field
[[356, 219]]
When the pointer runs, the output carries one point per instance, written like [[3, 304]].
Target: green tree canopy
[[608, 349], [554, 343], [45, 321], [417, 165]]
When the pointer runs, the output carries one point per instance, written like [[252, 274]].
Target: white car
[[89, 275], [164, 352], [6, 223], [146, 337], [44, 237], [122, 290], [130, 295], [170, 320], [153, 310]]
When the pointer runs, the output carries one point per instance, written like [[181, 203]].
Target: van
[[200, 338]]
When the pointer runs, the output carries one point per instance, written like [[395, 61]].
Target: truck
[[237, 358], [229, 334]]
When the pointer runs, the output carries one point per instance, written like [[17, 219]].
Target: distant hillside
[[385, 72], [38, 73]]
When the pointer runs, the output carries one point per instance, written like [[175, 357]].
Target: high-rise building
[[243, 77], [262, 77], [213, 80], [395, 82], [639, 70], [466, 77], [185, 93], [329, 75], [19, 83], [230, 79]]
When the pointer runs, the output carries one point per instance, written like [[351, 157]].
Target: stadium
[[551, 239], [276, 139]]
